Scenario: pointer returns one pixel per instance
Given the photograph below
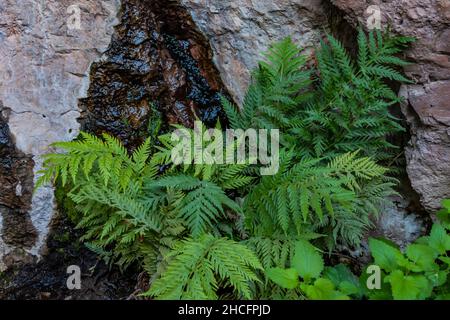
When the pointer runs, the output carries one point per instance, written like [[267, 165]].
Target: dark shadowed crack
[[157, 62]]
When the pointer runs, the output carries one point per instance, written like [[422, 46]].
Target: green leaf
[[423, 256], [445, 260], [344, 279], [437, 278], [323, 289], [408, 287], [446, 204], [386, 255], [445, 296], [307, 261], [285, 278], [384, 293], [439, 239]]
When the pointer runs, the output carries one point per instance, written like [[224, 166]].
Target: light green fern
[[276, 90], [307, 192], [350, 109], [202, 203], [200, 229], [196, 265], [107, 157]]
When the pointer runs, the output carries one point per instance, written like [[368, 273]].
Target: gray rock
[[395, 223], [240, 30], [44, 70]]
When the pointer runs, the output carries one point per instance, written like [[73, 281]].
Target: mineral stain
[[157, 56], [16, 187]]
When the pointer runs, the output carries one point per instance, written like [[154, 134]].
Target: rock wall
[[427, 105], [240, 30], [46, 49]]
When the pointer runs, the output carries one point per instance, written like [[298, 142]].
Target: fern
[[350, 110], [143, 220], [284, 202], [108, 157], [195, 266], [106, 187], [200, 229], [323, 181], [202, 202], [277, 88]]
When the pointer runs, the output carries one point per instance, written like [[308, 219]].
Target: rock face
[[240, 30], [427, 107], [45, 54]]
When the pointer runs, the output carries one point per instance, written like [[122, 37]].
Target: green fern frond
[[203, 202], [276, 89], [196, 265]]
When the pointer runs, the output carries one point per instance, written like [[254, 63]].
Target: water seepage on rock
[[16, 185], [44, 62], [157, 56], [427, 105]]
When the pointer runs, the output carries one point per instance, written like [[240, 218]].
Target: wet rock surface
[[16, 186], [47, 279], [427, 107], [157, 56]]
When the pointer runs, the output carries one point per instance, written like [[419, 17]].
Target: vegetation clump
[[210, 231]]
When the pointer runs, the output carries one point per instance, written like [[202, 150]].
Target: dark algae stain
[[16, 187], [158, 58], [47, 279], [200, 91]]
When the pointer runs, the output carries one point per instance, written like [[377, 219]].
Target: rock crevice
[[157, 62]]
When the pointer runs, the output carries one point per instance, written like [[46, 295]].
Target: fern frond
[[196, 265], [202, 204]]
